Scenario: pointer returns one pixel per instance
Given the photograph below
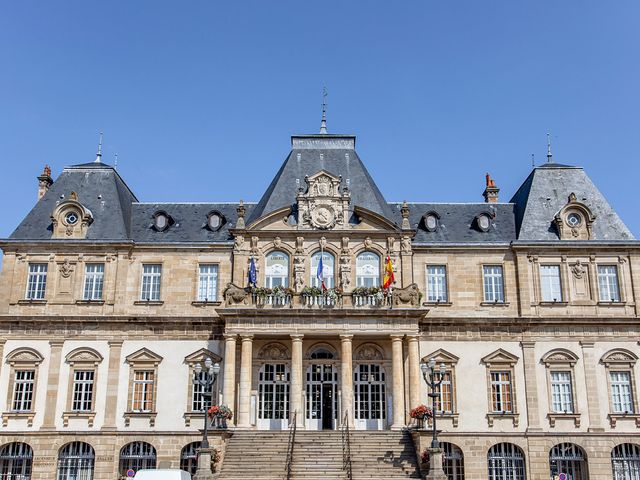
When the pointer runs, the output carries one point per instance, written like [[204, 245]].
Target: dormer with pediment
[[325, 203], [70, 218]]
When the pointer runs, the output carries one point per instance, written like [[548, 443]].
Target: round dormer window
[[214, 221], [431, 222], [161, 221], [71, 218], [574, 219], [483, 222]]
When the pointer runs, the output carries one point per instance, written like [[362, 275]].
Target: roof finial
[[99, 154], [323, 123], [115, 162], [549, 155], [533, 160]]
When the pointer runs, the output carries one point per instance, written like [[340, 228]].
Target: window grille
[[83, 390], [493, 284], [137, 455], [550, 283], [436, 283], [501, 393], [506, 462], [93, 281], [151, 277], [328, 263], [16, 460], [367, 270], [208, 283], [189, 458], [76, 461], [24, 382], [276, 270], [608, 283], [37, 281], [625, 462], [561, 392], [621, 397], [143, 384], [568, 458]]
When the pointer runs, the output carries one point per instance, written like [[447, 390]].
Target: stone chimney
[[490, 193], [44, 181]]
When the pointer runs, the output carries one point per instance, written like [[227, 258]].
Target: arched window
[[15, 461], [328, 263], [76, 461], [368, 270], [570, 459], [189, 457], [276, 272], [321, 353], [135, 456], [506, 461], [625, 462]]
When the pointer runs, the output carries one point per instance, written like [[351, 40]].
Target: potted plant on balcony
[[420, 413], [311, 292], [220, 414]]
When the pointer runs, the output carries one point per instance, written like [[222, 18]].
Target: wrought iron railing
[[346, 447], [290, 445]]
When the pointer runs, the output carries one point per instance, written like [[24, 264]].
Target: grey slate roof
[[546, 190], [457, 222], [99, 188], [311, 153]]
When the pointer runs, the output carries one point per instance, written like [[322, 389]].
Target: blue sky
[[199, 98]]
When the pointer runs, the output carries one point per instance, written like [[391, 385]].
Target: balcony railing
[[273, 300], [370, 301], [321, 301]]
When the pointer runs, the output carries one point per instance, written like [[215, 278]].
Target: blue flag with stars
[[253, 277]]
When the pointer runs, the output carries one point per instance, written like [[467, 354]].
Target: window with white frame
[[276, 272], [200, 401], [367, 270], [621, 393], [327, 270], [83, 390], [37, 281], [207, 283], [93, 281], [501, 392], [23, 390], [608, 285], [444, 400], [437, 283], [143, 391], [151, 279], [561, 392], [493, 283], [550, 286]]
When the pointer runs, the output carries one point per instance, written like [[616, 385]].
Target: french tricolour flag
[[320, 274]]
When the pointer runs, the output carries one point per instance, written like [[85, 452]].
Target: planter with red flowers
[[420, 413], [219, 414]]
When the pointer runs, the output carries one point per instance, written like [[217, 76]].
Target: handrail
[[290, 444], [346, 447]]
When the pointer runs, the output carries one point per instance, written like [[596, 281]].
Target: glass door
[[370, 412], [273, 396], [321, 397]]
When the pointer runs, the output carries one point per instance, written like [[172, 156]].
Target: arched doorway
[[76, 461], [570, 459], [321, 391], [135, 456], [506, 462], [625, 462], [15, 461]]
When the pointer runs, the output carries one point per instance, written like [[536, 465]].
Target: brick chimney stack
[[490, 193], [44, 181]]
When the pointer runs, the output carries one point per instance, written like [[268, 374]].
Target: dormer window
[[162, 221], [431, 221], [215, 220], [483, 221]]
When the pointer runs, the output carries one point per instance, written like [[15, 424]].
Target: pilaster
[[531, 386], [229, 380], [246, 365], [590, 380], [53, 385], [113, 375], [398, 382]]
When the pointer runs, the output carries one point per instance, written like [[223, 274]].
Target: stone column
[[246, 367], [229, 381], [415, 376], [531, 386], [296, 379], [113, 375], [591, 381], [398, 382], [346, 378], [53, 385]]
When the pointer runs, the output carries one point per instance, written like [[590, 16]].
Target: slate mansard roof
[[528, 217]]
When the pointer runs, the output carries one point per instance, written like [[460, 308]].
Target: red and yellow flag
[[388, 274]]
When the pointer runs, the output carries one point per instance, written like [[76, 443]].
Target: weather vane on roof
[[99, 154], [549, 155], [323, 123]]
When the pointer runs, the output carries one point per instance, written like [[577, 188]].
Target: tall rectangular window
[[37, 281], [550, 283], [83, 391], [621, 397], [23, 385], [608, 283], [151, 276], [93, 281], [143, 383], [198, 399], [501, 394], [561, 392], [208, 283], [436, 283], [493, 283], [444, 402]]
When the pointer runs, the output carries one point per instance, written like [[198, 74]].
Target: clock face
[[574, 219]]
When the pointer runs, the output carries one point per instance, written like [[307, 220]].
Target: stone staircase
[[387, 455]]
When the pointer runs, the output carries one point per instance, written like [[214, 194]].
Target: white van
[[168, 474]]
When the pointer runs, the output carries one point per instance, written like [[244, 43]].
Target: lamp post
[[433, 379], [205, 379]]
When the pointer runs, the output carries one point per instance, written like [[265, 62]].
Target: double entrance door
[[321, 397]]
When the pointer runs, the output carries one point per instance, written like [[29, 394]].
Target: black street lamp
[[433, 379], [205, 379]]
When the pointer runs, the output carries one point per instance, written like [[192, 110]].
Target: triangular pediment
[[441, 356], [201, 355], [500, 356], [144, 355]]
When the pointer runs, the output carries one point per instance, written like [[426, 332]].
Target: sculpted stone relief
[[322, 207], [274, 351]]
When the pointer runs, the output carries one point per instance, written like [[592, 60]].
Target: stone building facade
[[107, 304]]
